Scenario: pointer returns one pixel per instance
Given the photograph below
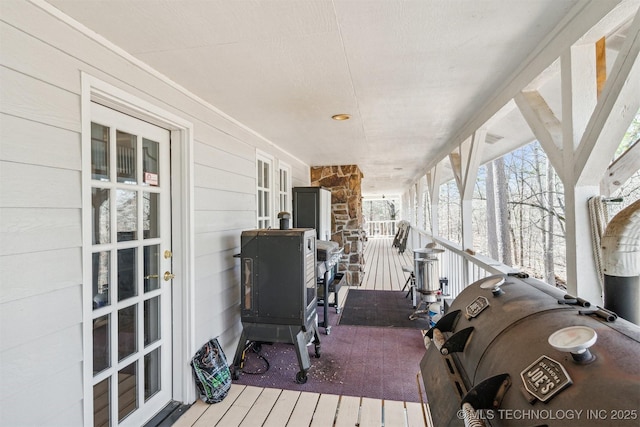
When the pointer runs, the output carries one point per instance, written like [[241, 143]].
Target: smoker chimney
[[621, 258], [284, 220]]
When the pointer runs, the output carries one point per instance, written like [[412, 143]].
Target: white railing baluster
[[381, 228], [459, 267]]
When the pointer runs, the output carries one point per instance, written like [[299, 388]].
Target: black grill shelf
[[324, 294]]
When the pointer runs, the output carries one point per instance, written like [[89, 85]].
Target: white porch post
[[406, 211], [582, 145], [592, 129], [420, 201], [433, 186], [579, 97], [465, 165], [412, 205]]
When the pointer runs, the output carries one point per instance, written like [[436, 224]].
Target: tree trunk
[[492, 230], [545, 208], [520, 253], [549, 266], [503, 212]]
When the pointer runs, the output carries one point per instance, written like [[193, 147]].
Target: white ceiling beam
[[616, 108], [579, 98], [544, 124], [541, 79], [501, 114], [434, 179], [472, 160], [456, 167], [616, 19], [578, 22], [621, 170], [465, 160]]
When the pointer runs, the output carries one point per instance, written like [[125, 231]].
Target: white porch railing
[[461, 268], [381, 228]]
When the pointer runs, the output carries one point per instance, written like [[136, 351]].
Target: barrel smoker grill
[[279, 292], [496, 358]]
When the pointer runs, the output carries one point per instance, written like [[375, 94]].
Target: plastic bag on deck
[[211, 372]]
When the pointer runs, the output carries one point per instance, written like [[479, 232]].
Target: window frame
[[264, 194], [286, 192]]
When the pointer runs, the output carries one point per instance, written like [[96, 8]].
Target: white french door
[[129, 268]]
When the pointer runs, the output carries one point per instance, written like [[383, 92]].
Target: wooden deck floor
[[249, 406], [383, 265]]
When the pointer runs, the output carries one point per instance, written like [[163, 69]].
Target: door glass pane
[[151, 267], [127, 390], [151, 320], [127, 279], [151, 215], [126, 157], [127, 211], [150, 159], [127, 342], [260, 163], [101, 265], [99, 152], [101, 412], [151, 373], [101, 214], [101, 344]]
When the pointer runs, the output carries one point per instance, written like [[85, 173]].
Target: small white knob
[[575, 340], [494, 284]]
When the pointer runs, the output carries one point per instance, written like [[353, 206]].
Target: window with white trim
[[284, 188], [264, 192]]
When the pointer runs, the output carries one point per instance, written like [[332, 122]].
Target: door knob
[[168, 276]]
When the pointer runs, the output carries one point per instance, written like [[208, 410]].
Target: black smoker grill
[[329, 280], [278, 292], [512, 351]]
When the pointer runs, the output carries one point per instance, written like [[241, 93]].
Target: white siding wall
[[41, 60]]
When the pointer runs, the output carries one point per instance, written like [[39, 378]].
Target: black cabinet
[[312, 209]]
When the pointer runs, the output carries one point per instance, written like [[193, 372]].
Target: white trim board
[[183, 299]]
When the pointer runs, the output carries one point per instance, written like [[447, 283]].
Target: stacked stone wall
[[345, 183]]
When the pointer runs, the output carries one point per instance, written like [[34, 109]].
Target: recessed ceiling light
[[341, 117]]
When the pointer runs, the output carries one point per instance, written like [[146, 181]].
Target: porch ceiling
[[415, 75]]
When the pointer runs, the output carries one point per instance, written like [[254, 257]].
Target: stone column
[[345, 183]]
